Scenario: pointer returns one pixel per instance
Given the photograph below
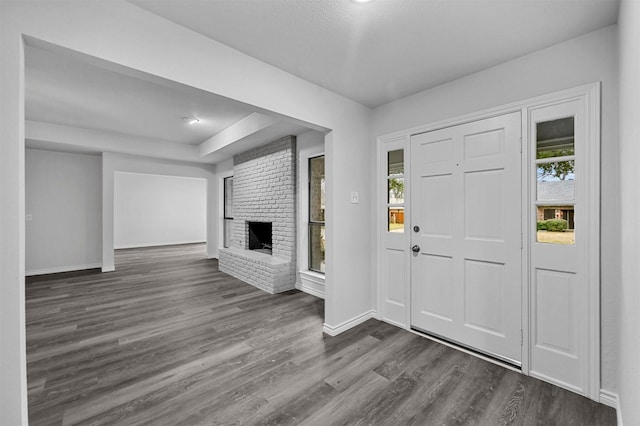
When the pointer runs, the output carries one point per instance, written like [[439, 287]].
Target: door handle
[[415, 249]]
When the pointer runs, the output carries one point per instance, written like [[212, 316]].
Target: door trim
[[590, 95]]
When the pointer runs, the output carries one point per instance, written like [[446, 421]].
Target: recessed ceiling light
[[361, 1], [191, 120]]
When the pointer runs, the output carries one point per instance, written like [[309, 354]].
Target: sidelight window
[[395, 190], [316, 214], [555, 181]]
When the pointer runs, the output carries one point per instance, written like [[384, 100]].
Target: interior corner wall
[[629, 343], [156, 210], [64, 209], [113, 163], [583, 60]]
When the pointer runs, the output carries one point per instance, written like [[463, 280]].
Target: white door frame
[[590, 95]]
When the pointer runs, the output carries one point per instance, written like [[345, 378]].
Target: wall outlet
[[355, 197]]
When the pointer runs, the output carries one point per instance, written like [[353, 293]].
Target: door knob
[[415, 248]]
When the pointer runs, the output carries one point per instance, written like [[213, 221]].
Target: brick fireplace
[[264, 193]]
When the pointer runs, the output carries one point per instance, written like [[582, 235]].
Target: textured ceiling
[[387, 49]]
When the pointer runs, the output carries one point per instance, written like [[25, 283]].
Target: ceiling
[[71, 92], [372, 53], [384, 50], [113, 103]]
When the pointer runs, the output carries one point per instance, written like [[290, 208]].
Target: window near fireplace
[[228, 210], [316, 214]]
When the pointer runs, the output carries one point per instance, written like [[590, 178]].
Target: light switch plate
[[355, 197]]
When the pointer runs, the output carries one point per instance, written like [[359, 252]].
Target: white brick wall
[[264, 191]]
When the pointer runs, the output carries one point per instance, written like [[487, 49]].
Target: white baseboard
[[59, 269], [109, 268], [611, 399], [346, 325], [156, 244], [310, 290]]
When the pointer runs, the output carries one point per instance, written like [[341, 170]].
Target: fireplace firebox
[[260, 237]]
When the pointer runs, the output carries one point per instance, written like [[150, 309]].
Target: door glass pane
[[395, 191], [395, 219], [556, 171], [551, 188], [316, 189], [556, 225], [555, 138], [316, 247], [395, 162]]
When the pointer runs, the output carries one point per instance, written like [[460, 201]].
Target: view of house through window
[[228, 210], [395, 191], [556, 181], [316, 214]]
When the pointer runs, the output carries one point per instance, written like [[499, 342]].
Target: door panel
[[466, 277], [483, 289], [438, 216]]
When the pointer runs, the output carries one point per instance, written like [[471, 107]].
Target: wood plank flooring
[[167, 339]]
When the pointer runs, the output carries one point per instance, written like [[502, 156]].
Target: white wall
[[63, 197], [629, 345], [155, 210], [310, 144], [583, 60], [113, 164]]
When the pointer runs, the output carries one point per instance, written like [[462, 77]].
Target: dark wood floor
[[167, 339]]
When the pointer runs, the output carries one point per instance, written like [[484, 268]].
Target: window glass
[[228, 198], [395, 162], [556, 190], [556, 225], [316, 214], [316, 189], [555, 181], [228, 212], [316, 247], [396, 191], [555, 138], [395, 219], [228, 223]]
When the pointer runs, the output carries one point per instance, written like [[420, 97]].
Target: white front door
[[466, 225]]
